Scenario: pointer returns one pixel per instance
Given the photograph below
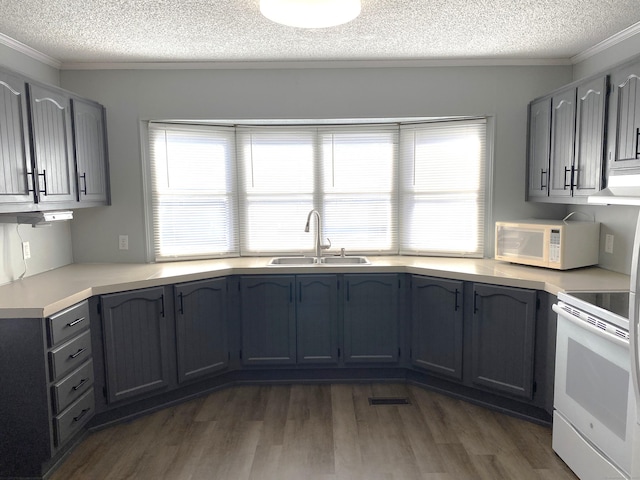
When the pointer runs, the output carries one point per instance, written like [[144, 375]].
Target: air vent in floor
[[388, 401]]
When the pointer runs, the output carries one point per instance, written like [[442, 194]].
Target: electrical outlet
[[26, 250], [608, 243], [123, 242]]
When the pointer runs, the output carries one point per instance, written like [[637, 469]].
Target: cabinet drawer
[[74, 417], [69, 322], [70, 355], [72, 386]]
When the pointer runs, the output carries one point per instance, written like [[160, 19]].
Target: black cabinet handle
[[82, 382], [638, 142], [82, 414], [456, 306], [162, 305], [75, 322], [181, 303], [570, 170], [44, 178], [475, 302], [33, 181], [83, 177], [543, 177], [79, 352]]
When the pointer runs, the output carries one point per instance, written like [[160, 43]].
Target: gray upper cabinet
[[54, 174], [201, 328], [437, 325], [566, 143], [539, 147], [136, 342], [268, 319], [317, 319], [89, 139], [15, 156], [563, 128], [370, 318], [587, 169], [503, 339], [624, 118]]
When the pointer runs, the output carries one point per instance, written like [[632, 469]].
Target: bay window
[[380, 189]]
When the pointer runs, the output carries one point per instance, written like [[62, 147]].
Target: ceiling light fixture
[[310, 13]]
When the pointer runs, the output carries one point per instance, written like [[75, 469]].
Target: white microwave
[[554, 244]]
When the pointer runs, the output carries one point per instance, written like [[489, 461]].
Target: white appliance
[[557, 244], [595, 420]]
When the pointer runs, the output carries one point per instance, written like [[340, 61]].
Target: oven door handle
[[590, 328]]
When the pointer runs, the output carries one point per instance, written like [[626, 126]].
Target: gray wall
[[131, 96], [50, 246]]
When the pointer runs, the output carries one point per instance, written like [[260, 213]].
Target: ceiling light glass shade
[[310, 13]]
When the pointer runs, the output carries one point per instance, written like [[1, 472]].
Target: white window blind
[[347, 174], [277, 180], [359, 188], [443, 188], [193, 191]]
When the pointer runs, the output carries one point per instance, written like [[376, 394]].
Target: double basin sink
[[346, 260]]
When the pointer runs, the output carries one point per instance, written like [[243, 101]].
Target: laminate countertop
[[50, 292]]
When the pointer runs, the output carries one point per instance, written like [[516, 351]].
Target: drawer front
[[74, 417], [72, 386], [70, 355], [69, 322]]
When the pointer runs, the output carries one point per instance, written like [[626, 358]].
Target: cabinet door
[[502, 339], [136, 347], [563, 130], [90, 150], [539, 148], [52, 147], [268, 320], [589, 155], [624, 125], [201, 328], [371, 318], [317, 318], [436, 325], [15, 157]]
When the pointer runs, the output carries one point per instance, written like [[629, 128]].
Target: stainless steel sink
[[353, 260], [347, 260], [292, 261]]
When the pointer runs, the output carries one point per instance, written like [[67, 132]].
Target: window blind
[[193, 191], [442, 188]]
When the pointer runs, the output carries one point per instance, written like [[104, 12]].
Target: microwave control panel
[[554, 246]]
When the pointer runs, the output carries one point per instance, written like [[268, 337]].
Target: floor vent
[[388, 401]]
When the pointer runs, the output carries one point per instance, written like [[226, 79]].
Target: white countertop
[[50, 292]]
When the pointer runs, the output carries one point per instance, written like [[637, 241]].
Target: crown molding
[[310, 64], [28, 51], [607, 43]]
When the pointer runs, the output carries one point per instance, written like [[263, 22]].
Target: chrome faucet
[[319, 245]]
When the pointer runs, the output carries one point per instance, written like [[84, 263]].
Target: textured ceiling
[[114, 31]]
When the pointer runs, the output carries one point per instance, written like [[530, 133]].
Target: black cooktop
[[616, 302]]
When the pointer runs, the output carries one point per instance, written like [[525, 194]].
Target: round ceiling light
[[310, 13]]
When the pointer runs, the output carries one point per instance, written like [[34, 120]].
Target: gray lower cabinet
[[268, 320], [437, 316], [46, 385], [317, 319], [201, 328], [136, 331], [503, 329], [371, 327]]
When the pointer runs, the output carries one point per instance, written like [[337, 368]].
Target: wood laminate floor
[[319, 432]]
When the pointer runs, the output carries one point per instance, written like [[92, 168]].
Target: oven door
[[593, 389]]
